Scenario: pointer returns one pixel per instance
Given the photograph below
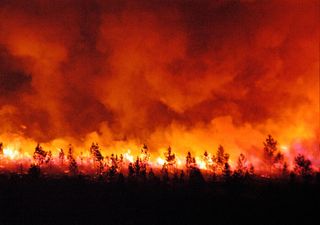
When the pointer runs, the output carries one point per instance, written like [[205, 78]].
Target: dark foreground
[[82, 201]]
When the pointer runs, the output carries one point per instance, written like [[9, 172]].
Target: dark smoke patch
[[12, 77], [13, 81]]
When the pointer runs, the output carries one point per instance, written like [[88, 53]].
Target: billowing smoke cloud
[[192, 74]]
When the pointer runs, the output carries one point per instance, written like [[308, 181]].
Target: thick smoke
[[192, 74]]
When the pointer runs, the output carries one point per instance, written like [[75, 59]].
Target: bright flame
[[128, 156], [202, 165], [284, 148], [10, 153], [160, 161]]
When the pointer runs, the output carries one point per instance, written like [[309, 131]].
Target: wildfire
[[12, 154], [160, 161], [202, 164], [128, 156], [188, 76], [274, 161]]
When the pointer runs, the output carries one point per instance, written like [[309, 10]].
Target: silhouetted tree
[[137, 167], [114, 163], [241, 168], [145, 155], [170, 160], [39, 155], [193, 171], [143, 170], [73, 165], [95, 152], [151, 174], [209, 161], [170, 157], [120, 162], [251, 170], [165, 174], [142, 162], [226, 172], [130, 170], [190, 162], [61, 156], [81, 157], [221, 159], [70, 153], [270, 147], [112, 171], [97, 157], [302, 166], [271, 153]]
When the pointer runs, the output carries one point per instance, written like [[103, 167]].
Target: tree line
[[209, 166]]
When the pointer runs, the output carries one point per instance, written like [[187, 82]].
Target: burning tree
[[302, 166], [138, 169], [73, 165], [193, 170], [120, 162], [141, 163], [190, 162], [114, 166], [221, 159], [145, 155], [170, 160], [137, 166], [97, 157], [170, 157], [61, 156], [170, 163], [39, 155], [209, 162], [241, 168], [272, 155]]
